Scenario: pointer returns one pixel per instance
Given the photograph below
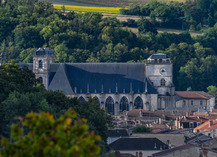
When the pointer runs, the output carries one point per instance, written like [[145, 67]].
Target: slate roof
[[158, 56], [43, 52], [29, 65], [118, 133], [138, 144], [95, 77]]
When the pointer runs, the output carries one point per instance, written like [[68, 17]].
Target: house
[[197, 146], [192, 100], [187, 150], [189, 122], [115, 134], [207, 128], [139, 147]]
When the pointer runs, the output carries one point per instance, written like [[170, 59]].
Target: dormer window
[[162, 82], [40, 64]]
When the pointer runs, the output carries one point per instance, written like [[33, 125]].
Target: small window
[[162, 82], [201, 103], [40, 64], [41, 80], [192, 102], [184, 103]]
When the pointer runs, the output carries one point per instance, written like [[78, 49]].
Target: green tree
[[145, 26], [141, 129], [213, 91], [61, 53], [66, 136]]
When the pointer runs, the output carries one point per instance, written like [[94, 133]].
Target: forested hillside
[[87, 37]]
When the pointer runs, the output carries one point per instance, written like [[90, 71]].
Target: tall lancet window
[[41, 80], [162, 82], [40, 64]]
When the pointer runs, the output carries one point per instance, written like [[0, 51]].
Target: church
[[117, 87]]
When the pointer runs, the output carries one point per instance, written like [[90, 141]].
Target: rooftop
[[158, 56], [118, 133], [194, 95], [138, 144], [208, 125]]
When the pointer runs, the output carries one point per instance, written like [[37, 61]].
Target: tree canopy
[[40, 134]]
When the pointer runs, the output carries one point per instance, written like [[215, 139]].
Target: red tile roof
[[193, 119], [194, 95], [206, 127]]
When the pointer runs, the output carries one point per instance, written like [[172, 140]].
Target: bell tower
[[159, 70], [42, 58]]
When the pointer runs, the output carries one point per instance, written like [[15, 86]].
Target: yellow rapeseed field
[[111, 10]]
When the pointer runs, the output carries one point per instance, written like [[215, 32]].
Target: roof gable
[[60, 81]]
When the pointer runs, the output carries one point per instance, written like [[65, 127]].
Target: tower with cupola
[[159, 71], [42, 58]]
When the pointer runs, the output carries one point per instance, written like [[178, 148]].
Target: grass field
[[110, 10]]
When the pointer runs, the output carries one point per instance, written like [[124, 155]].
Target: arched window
[[138, 103], [109, 105], [81, 99], [40, 64], [124, 105], [162, 82], [41, 80]]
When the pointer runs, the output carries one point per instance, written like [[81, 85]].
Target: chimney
[[210, 123]]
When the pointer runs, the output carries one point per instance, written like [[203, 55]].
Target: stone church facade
[[117, 87]]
